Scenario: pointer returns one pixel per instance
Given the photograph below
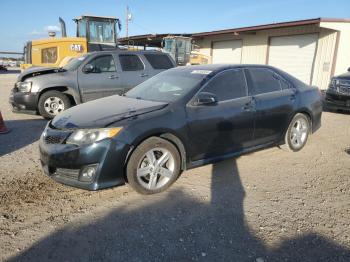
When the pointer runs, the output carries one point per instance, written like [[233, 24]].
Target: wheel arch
[[63, 89], [166, 135], [303, 111], [306, 112]]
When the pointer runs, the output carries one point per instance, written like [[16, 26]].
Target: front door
[[226, 126], [102, 81]]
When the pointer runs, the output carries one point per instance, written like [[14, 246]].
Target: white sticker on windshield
[[202, 72], [81, 58]]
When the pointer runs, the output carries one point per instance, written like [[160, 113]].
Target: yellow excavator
[[94, 33]]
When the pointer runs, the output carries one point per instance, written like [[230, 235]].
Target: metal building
[[312, 50]]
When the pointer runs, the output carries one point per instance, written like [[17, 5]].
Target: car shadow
[[178, 226], [22, 133], [10, 72]]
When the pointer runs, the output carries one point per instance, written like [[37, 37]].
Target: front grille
[[344, 90], [49, 139]]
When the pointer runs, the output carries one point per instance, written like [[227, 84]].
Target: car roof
[[215, 68], [117, 51]]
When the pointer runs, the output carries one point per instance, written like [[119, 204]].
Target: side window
[[227, 85], [159, 61], [284, 84], [49, 55], [264, 81], [131, 63], [103, 64]]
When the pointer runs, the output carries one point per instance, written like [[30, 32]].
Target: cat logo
[[76, 48]]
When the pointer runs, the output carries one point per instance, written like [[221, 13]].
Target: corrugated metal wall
[[256, 47]]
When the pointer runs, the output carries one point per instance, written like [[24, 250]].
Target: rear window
[[49, 55], [159, 61]]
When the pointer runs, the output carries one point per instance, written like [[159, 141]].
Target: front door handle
[[248, 106], [113, 77], [143, 75], [292, 97]]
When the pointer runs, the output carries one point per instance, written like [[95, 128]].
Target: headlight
[[344, 82], [334, 83], [89, 136], [24, 86]]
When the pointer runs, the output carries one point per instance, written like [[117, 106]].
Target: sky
[[23, 20]]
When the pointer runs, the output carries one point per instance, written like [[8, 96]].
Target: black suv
[[338, 92]]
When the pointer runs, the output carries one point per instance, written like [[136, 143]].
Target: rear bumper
[[337, 101], [24, 102]]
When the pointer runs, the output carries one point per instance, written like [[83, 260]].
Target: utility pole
[[127, 22]]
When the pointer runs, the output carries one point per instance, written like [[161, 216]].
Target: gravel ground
[[267, 206]]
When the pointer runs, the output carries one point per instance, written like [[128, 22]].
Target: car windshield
[[74, 63], [168, 86]]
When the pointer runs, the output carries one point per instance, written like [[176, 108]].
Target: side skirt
[[212, 160]]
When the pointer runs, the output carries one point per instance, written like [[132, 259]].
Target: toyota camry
[[180, 119]]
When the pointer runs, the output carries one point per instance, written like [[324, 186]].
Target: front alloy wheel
[[153, 166]]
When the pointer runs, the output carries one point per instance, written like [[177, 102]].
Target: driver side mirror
[[349, 69], [88, 68], [205, 98]]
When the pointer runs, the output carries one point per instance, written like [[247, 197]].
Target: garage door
[[294, 54], [227, 52]]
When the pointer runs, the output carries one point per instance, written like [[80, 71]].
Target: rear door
[[275, 100], [226, 126], [133, 71], [102, 81]]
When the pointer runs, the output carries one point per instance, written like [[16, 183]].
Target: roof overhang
[[154, 40], [151, 40], [250, 29], [95, 17]]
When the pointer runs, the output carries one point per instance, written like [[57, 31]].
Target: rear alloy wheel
[[153, 166], [52, 103], [297, 133]]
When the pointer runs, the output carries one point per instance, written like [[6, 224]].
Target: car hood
[[104, 112], [344, 76], [35, 71]]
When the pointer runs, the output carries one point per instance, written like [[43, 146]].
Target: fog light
[[88, 173]]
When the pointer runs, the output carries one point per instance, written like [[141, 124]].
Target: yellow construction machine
[[94, 33]]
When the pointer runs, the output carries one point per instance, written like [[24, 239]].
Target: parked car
[[3, 68], [338, 93], [182, 118], [49, 91]]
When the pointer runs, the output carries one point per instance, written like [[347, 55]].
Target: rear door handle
[[143, 75], [292, 97], [113, 77]]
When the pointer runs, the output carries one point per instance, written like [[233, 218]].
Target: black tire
[[289, 145], [55, 94], [138, 156]]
